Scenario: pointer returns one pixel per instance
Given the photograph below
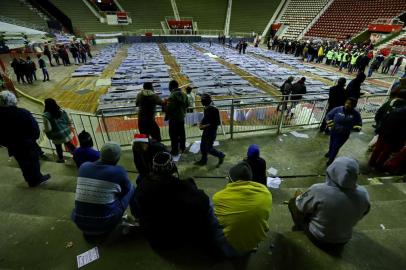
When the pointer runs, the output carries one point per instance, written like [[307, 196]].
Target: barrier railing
[[237, 117]]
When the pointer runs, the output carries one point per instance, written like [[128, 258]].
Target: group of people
[[175, 108], [25, 69], [232, 223], [343, 55]]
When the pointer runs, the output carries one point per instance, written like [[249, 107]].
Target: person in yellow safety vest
[[354, 58], [344, 60], [337, 60], [320, 55], [329, 56]]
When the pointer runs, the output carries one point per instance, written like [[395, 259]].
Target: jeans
[[337, 140], [177, 135], [206, 145], [46, 74]]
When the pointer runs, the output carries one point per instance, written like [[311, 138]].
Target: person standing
[[19, 136], [354, 87], [286, 90], [57, 127], [336, 98], [397, 65], [298, 90], [146, 101], [28, 70], [47, 52], [341, 121], [55, 54], [209, 124], [75, 53], [176, 107], [389, 61], [43, 66], [192, 99], [244, 46]]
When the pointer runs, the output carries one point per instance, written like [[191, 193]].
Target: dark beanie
[[241, 171]]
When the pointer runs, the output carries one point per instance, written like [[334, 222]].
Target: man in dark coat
[[336, 98], [354, 87], [209, 124], [177, 105], [147, 100], [20, 138]]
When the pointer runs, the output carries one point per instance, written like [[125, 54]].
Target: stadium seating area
[[82, 18], [16, 9], [147, 14], [209, 14], [299, 14], [251, 16], [346, 17]]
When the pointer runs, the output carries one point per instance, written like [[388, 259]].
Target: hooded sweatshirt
[[335, 207], [178, 102]]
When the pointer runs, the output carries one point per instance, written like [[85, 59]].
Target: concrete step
[[36, 201], [382, 192], [388, 213], [12, 176], [367, 250]]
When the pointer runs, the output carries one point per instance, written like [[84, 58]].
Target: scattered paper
[[273, 182], [272, 171], [195, 148], [285, 135], [88, 257], [299, 135], [280, 139], [383, 227], [176, 158], [216, 143], [69, 244], [361, 133]]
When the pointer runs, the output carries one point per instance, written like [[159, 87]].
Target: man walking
[[43, 66], [209, 124]]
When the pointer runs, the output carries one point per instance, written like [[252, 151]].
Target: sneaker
[[43, 180], [200, 163], [221, 161], [60, 160]]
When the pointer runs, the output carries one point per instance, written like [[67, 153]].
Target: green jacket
[[57, 129], [354, 58], [178, 102]]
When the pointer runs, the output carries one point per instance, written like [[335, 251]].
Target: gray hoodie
[[335, 207]]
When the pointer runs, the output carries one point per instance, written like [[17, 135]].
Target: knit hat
[[140, 138], [241, 171], [253, 151], [110, 152], [163, 164], [7, 99]]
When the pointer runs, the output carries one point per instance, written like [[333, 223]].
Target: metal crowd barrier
[[237, 117]]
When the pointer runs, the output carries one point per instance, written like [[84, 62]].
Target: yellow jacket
[[243, 209]]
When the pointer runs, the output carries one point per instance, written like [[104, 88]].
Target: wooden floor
[[82, 94]]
